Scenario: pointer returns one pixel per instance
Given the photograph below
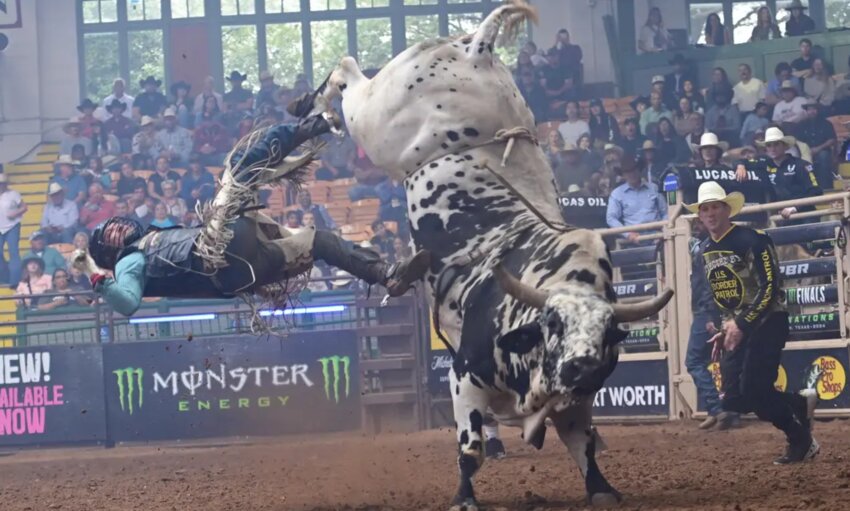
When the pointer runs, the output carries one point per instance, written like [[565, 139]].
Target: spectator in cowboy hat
[[120, 125], [782, 72], [635, 201], [87, 108], [151, 102], [181, 103], [630, 140], [266, 94], [60, 215], [73, 136], [175, 140], [242, 99], [571, 169], [207, 92], [798, 23], [790, 109], [35, 281], [711, 150], [51, 257], [67, 177], [794, 178], [12, 209], [819, 134], [118, 95], [757, 120], [659, 85], [146, 145]]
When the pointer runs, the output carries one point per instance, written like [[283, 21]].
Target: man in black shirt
[[743, 273], [820, 135], [793, 178], [804, 61], [798, 23], [557, 83], [631, 141], [241, 99], [151, 102]]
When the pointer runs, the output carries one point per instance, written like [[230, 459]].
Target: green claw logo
[[129, 382], [333, 364]]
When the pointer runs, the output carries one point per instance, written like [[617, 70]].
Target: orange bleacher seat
[[339, 213], [144, 174], [64, 248], [544, 128], [216, 171], [841, 130], [391, 226]]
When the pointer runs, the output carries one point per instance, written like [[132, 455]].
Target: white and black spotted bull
[[526, 349]]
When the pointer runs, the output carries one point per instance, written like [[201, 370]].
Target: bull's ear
[[522, 340], [614, 336]]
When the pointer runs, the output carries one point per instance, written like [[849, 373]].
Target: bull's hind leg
[[574, 429], [469, 403]]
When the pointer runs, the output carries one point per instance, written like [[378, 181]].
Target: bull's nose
[[575, 372]]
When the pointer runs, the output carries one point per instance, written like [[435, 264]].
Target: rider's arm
[[124, 292]]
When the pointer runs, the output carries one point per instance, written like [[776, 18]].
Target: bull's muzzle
[[585, 374]]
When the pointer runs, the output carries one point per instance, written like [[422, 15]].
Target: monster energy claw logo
[[333, 363], [129, 382]]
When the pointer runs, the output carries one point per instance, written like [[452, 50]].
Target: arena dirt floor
[[671, 466]]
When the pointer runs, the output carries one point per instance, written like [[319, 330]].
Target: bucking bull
[[525, 304]]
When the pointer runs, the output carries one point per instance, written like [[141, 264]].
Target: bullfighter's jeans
[[698, 358], [749, 372]]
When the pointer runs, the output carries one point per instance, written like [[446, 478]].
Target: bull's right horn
[[524, 293], [625, 312]]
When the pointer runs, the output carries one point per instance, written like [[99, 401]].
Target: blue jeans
[[13, 238], [698, 358], [360, 192]]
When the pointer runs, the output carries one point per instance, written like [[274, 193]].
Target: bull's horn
[[625, 312], [525, 294]]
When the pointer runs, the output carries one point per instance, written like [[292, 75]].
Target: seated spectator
[[293, 221], [87, 119], [574, 126], [33, 282], [265, 96], [337, 159], [634, 202], [323, 219], [659, 85], [639, 104], [367, 175], [816, 131], [190, 219], [209, 112], [181, 103], [393, 199], [803, 64], [78, 280], [104, 143], [96, 173], [612, 161], [571, 170], [589, 155], [208, 91], [685, 119], [631, 141], [97, 209], [795, 177], [61, 283], [523, 64], [162, 172], [50, 257], [73, 184], [798, 23], [693, 139], [819, 85], [557, 84], [81, 242], [197, 184], [782, 74], [146, 144], [758, 120], [650, 117], [176, 141], [242, 99], [569, 56], [119, 96], [653, 36], [694, 95], [212, 142], [151, 102], [161, 218], [175, 205], [73, 136], [603, 127], [128, 181], [790, 110], [674, 82], [723, 118], [711, 150], [401, 250], [119, 125], [715, 33], [719, 83], [650, 168], [670, 147], [59, 217], [383, 238], [748, 91], [766, 28], [553, 147]]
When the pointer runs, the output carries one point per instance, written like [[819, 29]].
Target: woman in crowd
[[689, 90], [293, 221], [160, 217], [719, 84], [34, 281], [694, 137], [589, 155], [211, 142], [81, 242], [670, 147], [210, 111], [104, 142], [820, 86], [62, 284], [766, 27], [128, 181], [174, 205], [553, 147], [653, 36], [95, 172], [685, 118], [715, 33], [198, 185], [603, 127], [523, 63], [182, 104]]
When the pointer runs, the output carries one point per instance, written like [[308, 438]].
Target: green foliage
[[374, 42], [146, 57], [101, 59], [285, 58], [421, 28], [239, 52], [330, 44]]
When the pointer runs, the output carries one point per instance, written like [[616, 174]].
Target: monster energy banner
[[635, 388], [822, 325], [586, 212], [253, 386], [809, 295]]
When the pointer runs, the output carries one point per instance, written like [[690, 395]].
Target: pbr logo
[[130, 390], [331, 374]]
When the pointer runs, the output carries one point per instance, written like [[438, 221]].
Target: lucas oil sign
[[162, 390]]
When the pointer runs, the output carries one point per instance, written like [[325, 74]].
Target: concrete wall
[[39, 76]]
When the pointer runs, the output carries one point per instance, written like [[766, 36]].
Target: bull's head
[[577, 329]]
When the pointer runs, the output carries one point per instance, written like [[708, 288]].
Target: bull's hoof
[[605, 500], [465, 505]]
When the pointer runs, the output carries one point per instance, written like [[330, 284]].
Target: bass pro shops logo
[[130, 390], [331, 373]]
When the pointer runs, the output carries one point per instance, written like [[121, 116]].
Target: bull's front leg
[[574, 429], [470, 404]]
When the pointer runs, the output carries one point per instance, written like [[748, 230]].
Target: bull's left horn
[[625, 312], [525, 294]]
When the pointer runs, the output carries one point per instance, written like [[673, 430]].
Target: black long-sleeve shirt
[[743, 272], [793, 179]]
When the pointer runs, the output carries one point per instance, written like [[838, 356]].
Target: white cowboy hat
[[340, 282], [169, 112], [647, 145], [711, 191], [775, 134], [709, 139], [65, 159], [54, 188], [657, 78], [146, 119]]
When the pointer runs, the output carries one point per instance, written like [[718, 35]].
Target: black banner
[[636, 288], [642, 339], [635, 388], [822, 325], [51, 395], [804, 268], [265, 385], [438, 372], [586, 212], [811, 295], [755, 189]]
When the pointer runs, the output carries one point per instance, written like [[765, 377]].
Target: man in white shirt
[[59, 219], [573, 127], [748, 91], [175, 140], [792, 107], [118, 93], [12, 209]]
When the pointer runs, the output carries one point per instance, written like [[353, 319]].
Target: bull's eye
[[553, 322]]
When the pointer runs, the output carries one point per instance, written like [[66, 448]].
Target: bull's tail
[[510, 16]]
